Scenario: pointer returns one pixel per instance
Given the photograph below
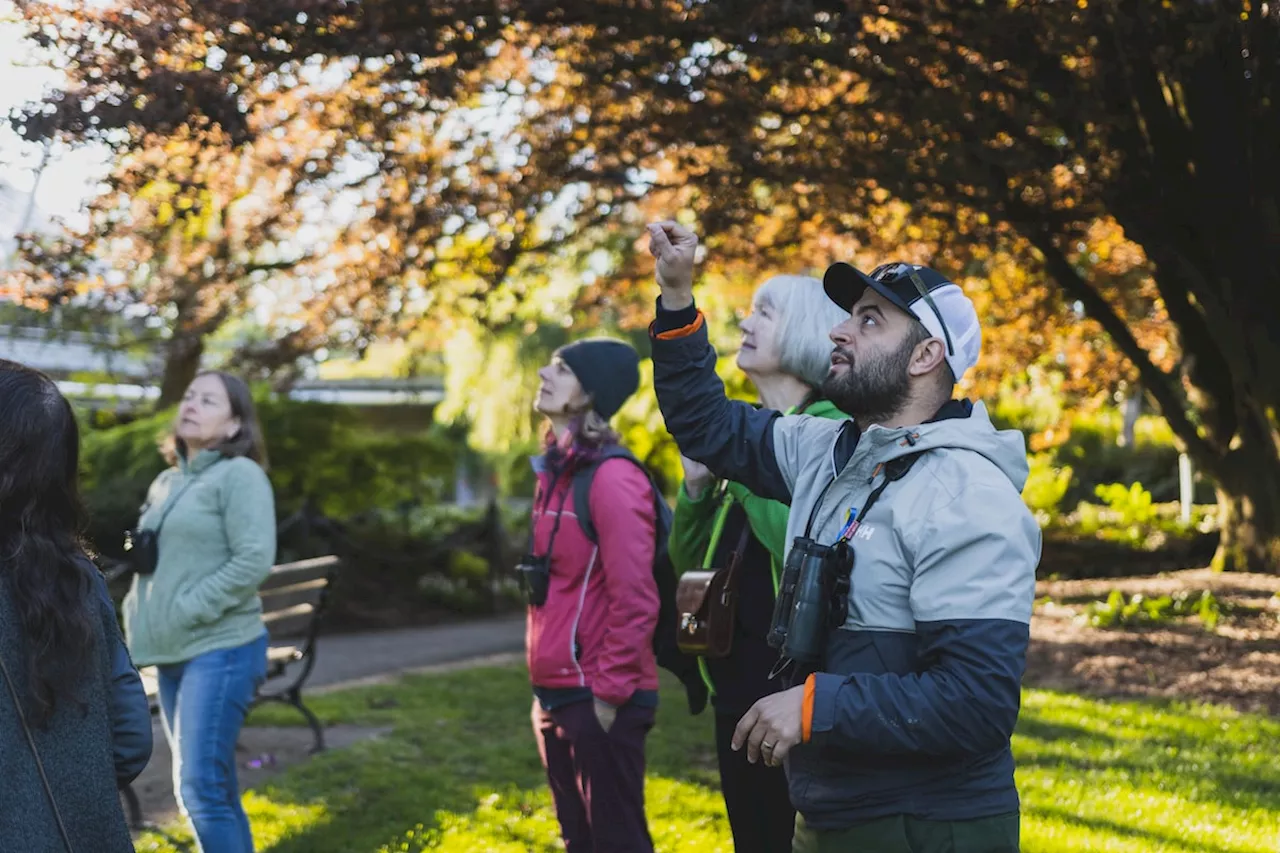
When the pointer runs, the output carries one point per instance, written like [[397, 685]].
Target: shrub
[[320, 456], [1046, 485], [1139, 611], [1093, 451]]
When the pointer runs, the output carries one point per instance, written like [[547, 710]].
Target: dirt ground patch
[[1238, 664]]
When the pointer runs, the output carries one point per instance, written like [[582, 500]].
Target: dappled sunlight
[[682, 817], [271, 819], [1097, 776], [459, 772]]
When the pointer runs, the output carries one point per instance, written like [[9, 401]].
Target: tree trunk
[[181, 364], [1248, 488], [1250, 532]]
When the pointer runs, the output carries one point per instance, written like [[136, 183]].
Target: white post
[[1184, 488], [1132, 409]]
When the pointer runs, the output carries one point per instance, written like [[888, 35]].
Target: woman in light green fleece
[[197, 617]]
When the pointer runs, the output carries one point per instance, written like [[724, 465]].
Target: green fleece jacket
[[217, 545], [694, 520]]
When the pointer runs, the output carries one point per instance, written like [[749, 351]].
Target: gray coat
[[911, 709], [87, 754]]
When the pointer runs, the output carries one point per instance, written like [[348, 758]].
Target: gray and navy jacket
[[913, 708]]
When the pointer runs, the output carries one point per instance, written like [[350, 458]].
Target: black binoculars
[[535, 578], [812, 599]]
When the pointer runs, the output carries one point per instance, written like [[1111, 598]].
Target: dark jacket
[[741, 678], [913, 707], [88, 751]]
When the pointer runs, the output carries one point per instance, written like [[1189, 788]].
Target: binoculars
[[535, 578], [813, 599]]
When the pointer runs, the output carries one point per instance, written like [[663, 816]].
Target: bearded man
[[896, 733]]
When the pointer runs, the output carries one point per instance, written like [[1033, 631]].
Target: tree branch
[[1162, 386]]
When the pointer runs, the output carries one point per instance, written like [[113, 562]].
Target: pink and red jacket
[[595, 630]]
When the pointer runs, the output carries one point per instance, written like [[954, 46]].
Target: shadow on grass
[[1204, 753], [461, 767], [1035, 727], [1167, 842], [460, 772]]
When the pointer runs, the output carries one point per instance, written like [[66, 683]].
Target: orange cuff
[[806, 710], [682, 332]]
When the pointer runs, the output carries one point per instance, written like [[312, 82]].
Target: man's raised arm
[[735, 440]]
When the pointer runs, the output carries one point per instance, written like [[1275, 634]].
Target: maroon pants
[[596, 777]]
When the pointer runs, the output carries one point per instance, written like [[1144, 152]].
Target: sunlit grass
[[459, 772]]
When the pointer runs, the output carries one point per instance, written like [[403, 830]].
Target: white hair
[[806, 316]]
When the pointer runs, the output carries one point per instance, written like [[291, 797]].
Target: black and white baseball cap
[[925, 294]]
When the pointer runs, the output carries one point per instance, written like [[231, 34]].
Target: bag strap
[[894, 470], [555, 525], [31, 742], [169, 505], [717, 530], [736, 557], [583, 477]]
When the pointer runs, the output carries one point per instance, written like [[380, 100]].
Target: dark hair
[[248, 440], [41, 556]]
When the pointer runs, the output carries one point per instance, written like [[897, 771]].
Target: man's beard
[[871, 390]]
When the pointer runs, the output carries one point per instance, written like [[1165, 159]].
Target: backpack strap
[[583, 478]]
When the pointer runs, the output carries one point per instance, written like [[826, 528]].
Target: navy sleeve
[[965, 703], [126, 697], [732, 438]]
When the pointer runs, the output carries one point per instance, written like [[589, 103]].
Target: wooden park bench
[[293, 599]]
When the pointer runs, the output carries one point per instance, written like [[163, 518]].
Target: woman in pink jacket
[[592, 607]]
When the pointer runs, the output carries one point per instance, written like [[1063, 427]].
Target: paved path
[[344, 658]]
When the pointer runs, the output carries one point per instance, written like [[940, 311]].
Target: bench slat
[[290, 621], [276, 654], [293, 588], [287, 597], [289, 574]]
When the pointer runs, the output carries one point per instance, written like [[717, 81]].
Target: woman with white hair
[[786, 352]]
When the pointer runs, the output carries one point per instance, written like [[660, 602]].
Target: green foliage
[[1046, 485], [1031, 400], [459, 772], [407, 563], [1127, 516], [466, 566], [318, 453], [491, 382], [1086, 486], [1096, 456], [1131, 505], [1130, 517], [1141, 611]]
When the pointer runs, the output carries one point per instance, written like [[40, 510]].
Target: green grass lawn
[[460, 773]]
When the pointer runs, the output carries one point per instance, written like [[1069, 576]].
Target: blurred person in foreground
[[75, 726]]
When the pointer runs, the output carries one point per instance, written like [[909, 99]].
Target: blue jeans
[[203, 703]]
